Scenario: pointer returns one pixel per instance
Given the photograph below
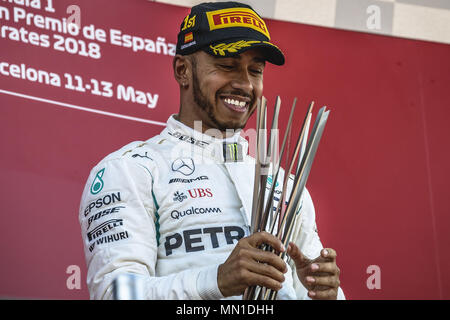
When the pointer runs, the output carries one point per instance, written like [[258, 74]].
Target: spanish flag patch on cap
[[188, 37]]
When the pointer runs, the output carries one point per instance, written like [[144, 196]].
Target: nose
[[242, 82]]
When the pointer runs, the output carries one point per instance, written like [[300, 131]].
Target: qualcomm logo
[[175, 214], [184, 166]]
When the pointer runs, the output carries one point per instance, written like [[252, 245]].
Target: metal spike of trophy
[[281, 219]]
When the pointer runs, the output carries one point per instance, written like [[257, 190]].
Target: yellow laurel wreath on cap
[[271, 44], [231, 47]]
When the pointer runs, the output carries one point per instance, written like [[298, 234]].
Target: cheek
[[212, 86], [258, 87]]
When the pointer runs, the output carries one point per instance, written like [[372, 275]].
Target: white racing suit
[[172, 209]]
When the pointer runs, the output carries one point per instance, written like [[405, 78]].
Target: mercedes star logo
[[184, 165]]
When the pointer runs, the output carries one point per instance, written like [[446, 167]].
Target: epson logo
[[175, 214], [103, 201]]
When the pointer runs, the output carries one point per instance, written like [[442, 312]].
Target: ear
[[181, 70]]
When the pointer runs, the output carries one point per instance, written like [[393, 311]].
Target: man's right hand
[[248, 265]]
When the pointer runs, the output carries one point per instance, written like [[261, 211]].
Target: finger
[[330, 294], [323, 283], [263, 257], [260, 280], [327, 267], [328, 253], [296, 255], [257, 239], [264, 269]]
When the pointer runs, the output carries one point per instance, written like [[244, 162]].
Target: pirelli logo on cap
[[236, 17]]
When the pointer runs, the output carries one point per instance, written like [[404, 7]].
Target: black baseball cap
[[226, 29]]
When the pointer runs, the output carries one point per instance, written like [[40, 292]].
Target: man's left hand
[[319, 276]]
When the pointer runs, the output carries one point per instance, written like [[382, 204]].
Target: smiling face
[[222, 92]]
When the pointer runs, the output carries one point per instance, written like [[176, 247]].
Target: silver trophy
[[129, 286], [280, 221]]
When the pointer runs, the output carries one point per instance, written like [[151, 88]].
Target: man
[[176, 208]]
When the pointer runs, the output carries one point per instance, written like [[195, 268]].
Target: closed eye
[[225, 66]]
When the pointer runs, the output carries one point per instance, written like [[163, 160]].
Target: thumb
[[298, 257]]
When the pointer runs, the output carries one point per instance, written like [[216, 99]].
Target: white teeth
[[236, 102]]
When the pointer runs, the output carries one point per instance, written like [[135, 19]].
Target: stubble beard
[[201, 100]]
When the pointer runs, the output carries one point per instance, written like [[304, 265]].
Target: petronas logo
[[97, 184]]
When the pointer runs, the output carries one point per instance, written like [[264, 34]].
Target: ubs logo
[[200, 193], [184, 166], [193, 193]]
